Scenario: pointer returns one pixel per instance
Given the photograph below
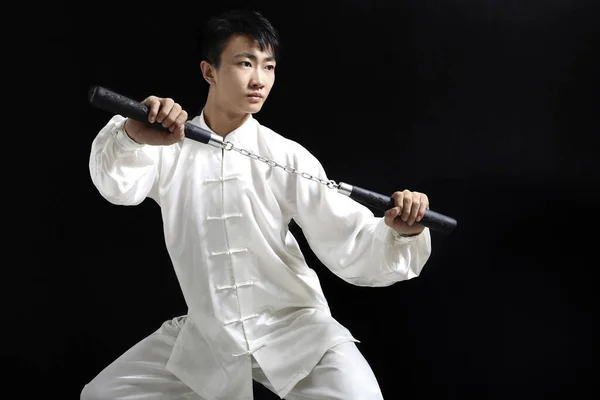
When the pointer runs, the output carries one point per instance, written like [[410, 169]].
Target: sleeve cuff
[[389, 235], [404, 239], [122, 138]]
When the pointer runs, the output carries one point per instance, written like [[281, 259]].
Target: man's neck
[[220, 121]]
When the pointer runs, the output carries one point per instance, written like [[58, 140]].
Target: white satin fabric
[[141, 374], [249, 291]]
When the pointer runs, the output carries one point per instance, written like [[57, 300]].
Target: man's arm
[[125, 157], [354, 244]]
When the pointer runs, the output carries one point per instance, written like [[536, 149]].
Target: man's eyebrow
[[251, 56]]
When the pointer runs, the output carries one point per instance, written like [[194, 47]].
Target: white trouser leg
[[342, 374], [140, 372]]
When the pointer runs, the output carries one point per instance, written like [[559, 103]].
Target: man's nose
[[257, 79]]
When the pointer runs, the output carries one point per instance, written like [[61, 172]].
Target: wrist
[[127, 133], [122, 138], [408, 234]]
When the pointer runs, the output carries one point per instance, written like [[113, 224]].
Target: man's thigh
[[140, 373]]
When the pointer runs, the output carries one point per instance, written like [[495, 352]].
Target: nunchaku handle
[[432, 220], [116, 103]]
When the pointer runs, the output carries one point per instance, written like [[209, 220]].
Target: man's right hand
[[164, 111]]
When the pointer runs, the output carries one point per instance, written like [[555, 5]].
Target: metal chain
[[330, 183]]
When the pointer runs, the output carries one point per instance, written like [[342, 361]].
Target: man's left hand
[[410, 208]]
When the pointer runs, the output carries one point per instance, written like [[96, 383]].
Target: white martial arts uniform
[[255, 308]]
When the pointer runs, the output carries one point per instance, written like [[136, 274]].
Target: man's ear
[[208, 72]]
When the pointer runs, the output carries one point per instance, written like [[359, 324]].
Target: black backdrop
[[488, 107]]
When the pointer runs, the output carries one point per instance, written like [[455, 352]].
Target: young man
[[255, 308]]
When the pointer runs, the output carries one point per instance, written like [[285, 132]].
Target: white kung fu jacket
[[248, 288]]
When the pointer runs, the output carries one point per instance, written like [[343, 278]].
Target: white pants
[[140, 373]]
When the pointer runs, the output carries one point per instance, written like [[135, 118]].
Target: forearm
[[377, 256]]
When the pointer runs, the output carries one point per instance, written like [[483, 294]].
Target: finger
[[169, 121], [406, 205], [398, 198], [390, 216], [424, 207], [414, 209], [399, 202], [153, 106], [165, 109], [181, 118]]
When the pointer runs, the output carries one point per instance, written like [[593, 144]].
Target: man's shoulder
[[287, 150], [275, 139]]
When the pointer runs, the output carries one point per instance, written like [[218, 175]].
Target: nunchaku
[[116, 103]]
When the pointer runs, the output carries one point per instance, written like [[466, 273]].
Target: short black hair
[[221, 28]]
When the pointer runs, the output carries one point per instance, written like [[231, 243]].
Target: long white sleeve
[[348, 239], [123, 171]]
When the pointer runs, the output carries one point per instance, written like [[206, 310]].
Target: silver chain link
[[329, 183]]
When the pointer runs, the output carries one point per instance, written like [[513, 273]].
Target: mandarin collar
[[234, 136]]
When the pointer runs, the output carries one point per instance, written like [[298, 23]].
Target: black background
[[489, 107]]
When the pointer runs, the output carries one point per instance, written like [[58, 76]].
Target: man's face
[[245, 77]]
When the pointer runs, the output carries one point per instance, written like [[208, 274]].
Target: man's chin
[[254, 109]]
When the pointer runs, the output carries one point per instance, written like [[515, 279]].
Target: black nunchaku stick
[[115, 103]]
